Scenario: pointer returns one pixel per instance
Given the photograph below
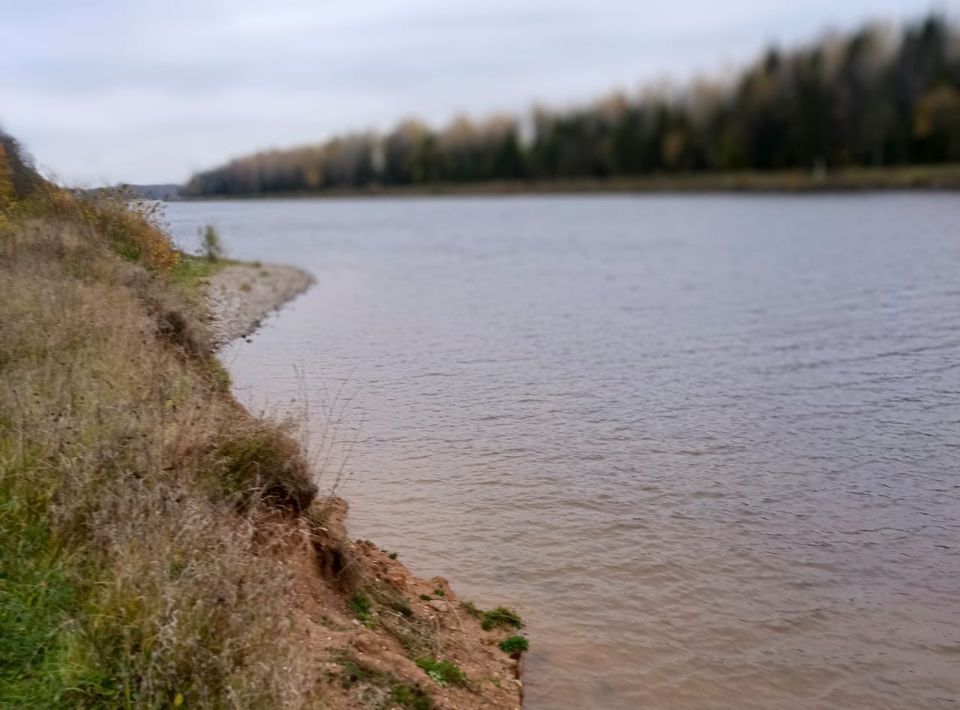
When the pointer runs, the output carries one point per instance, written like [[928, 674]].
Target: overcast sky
[[122, 90]]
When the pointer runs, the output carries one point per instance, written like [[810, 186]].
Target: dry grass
[[138, 502], [159, 545]]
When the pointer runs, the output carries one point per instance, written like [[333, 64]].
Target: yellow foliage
[[938, 111], [673, 146], [129, 230], [156, 251]]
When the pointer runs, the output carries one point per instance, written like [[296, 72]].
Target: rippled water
[[708, 446]]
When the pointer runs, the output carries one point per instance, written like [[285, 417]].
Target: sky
[[109, 91]]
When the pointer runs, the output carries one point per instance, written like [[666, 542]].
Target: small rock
[[437, 605]]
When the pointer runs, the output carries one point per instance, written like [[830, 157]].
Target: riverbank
[[934, 177], [368, 649], [160, 546]]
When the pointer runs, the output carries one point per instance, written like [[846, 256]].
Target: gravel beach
[[242, 295]]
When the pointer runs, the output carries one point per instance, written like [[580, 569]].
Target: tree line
[[880, 96]]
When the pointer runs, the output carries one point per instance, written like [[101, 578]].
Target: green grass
[[443, 673], [44, 662], [409, 697], [472, 609], [400, 606], [361, 606], [192, 271], [36, 598], [355, 673], [501, 618], [514, 645]]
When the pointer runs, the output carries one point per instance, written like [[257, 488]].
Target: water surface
[[708, 446]]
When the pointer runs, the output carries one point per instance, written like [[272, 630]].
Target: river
[[708, 446]]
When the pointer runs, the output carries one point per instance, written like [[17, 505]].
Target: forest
[[878, 97]]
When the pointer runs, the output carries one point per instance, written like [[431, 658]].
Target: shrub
[[264, 461], [211, 245], [18, 178], [514, 645], [7, 195], [131, 230]]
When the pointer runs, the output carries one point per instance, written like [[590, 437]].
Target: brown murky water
[[708, 446]]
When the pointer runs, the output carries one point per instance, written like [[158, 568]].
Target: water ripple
[[711, 454]]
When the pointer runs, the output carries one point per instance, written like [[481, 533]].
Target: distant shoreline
[[932, 178]]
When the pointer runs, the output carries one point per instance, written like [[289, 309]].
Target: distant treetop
[[876, 97]]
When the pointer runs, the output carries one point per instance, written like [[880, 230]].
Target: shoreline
[[364, 650], [242, 295], [935, 178]]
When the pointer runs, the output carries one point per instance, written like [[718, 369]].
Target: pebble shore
[[242, 295]]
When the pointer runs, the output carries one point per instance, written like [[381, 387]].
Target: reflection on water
[[708, 446]]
